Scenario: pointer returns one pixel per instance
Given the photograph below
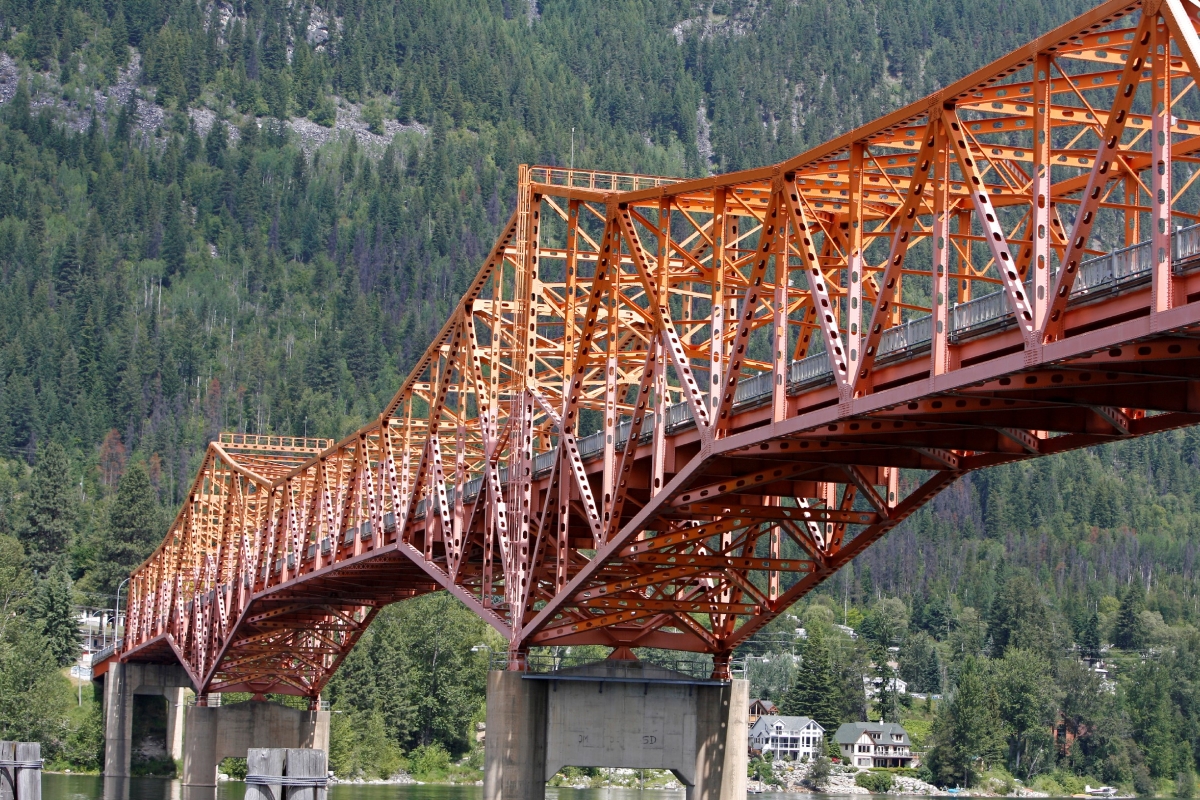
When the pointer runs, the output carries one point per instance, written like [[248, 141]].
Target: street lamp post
[[483, 648], [117, 612]]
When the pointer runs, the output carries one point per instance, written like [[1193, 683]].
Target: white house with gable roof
[[874, 744], [792, 738]]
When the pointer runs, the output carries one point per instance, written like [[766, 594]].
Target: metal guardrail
[[216, 700], [906, 336], [591, 179], [543, 663], [265, 442], [810, 369], [105, 652], [1121, 269]]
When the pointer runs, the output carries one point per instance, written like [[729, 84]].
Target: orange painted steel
[[666, 409]]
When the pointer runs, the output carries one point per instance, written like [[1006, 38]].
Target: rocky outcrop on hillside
[[76, 111]]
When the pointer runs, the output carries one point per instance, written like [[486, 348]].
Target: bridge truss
[[667, 409]]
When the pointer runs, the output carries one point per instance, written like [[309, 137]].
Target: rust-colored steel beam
[[664, 410]]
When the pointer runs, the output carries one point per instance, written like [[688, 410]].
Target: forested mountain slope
[[254, 215]]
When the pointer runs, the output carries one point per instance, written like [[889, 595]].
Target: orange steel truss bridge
[[667, 409]]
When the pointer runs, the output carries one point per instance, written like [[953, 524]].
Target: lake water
[[92, 787]]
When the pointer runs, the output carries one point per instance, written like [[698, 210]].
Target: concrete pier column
[[118, 721], [176, 706], [722, 728], [615, 714], [515, 749]]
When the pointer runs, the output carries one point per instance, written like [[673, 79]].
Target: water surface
[[93, 787]]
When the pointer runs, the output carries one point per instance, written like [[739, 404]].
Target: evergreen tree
[[50, 515], [56, 610], [1130, 633], [215, 143], [967, 731], [120, 36], [1023, 684], [133, 530], [866, 584], [66, 273], [886, 700], [174, 247], [1154, 718], [1089, 640], [814, 692], [1185, 785], [1018, 617]]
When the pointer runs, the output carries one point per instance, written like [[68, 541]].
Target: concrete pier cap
[[615, 713]]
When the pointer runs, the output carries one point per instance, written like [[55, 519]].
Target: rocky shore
[[794, 776]]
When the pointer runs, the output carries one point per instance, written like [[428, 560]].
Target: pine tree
[[174, 246], [1018, 617], [813, 693], [19, 114], [50, 515], [120, 36], [886, 701], [867, 586], [1130, 633], [133, 531], [1089, 640], [56, 610], [967, 733], [66, 274], [216, 142]]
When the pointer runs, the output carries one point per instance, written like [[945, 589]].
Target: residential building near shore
[[789, 738], [760, 708], [874, 744]]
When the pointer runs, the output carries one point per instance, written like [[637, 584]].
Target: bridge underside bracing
[[667, 409]]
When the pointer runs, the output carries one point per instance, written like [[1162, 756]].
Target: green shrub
[[1143, 784], [325, 113], [429, 761], [818, 773], [83, 746], [874, 782], [1185, 785], [360, 747]]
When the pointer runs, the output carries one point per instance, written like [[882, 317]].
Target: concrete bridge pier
[[214, 734], [124, 682], [615, 714], [199, 736]]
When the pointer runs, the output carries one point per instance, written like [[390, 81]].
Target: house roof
[[765, 703], [851, 732], [789, 723]]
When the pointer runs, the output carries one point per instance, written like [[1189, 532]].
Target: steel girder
[[665, 410]]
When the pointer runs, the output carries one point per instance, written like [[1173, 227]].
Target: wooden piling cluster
[[20, 771], [284, 774]]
